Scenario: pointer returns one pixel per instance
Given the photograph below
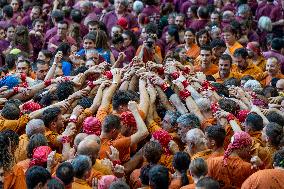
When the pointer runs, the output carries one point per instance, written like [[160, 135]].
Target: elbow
[[145, 133]]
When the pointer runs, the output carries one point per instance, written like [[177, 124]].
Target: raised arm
[[144, 97]]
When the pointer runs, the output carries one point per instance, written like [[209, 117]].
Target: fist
[[132, 106]]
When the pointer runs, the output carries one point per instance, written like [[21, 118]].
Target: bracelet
[[185, 83], [186, 70], [184, 94], [74, 120], [164, 86], [66, 79], [65, 139], [206, 85], [23, 77], [91, 84], [214, 107], [108, 74], [175, 75], [230, 117], [24, 84], [47, 82], [161, 71], [116, 162], [15, 90]]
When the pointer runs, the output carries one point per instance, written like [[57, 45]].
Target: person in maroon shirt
[[172, 39], [130, 44], [202, 20], [28, 20], [7, 13], [61, 36], [37, 36]]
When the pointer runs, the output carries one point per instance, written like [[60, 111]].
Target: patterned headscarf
[[105, 181], [242, 115], [240, 139], [128, 119], [31, 106], [40, 155], [92, 125], [164, 138]]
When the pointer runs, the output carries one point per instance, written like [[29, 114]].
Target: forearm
[[133, 83], [124, 85], [195, 95], [50, 73], [193, 108], [175, 100], [142, 131], [235, 126], [97, 101], [108, 95], [144, 97], [164, 100], [31, 93]]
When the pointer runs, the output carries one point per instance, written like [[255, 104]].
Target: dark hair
[[36, 175], [101, 39], [254, 121], [270, 91], [152, 151], [229, 29], [8, 11], [38, 62], [35, 141], [277, 44], [275, 133], [80, 69], [76, 15], [65, 48], [117, 39], [55, 184], [144, 174], [181, 163], [275, 117], [206, 48], [246, 78], [228, 105], [6, 158], [226, 57], [173, 31], [38, 20], [11, 110], [232, 82], [202, 12], [64, 89], [132, 36], [65, 173], [210, 78], [120, 98], [50, 115], [47, 53], [10, 61], [208, 183], [12, 136], [151, 28], [274, 81], [216, 133], [200, 33], [57, 15], [191, 30], [159, 177], [241, 52], [111, 122], [221, 89], [278, 158], [218, 43], [85, 102], [119, 185], [47, 99]]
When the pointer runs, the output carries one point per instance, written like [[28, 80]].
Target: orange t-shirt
[[15, 178], [211, 70]]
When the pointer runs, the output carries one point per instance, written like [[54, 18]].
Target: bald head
[[280, 85], [94, 138], [35, 126], [79, 137], [196, 141], [89, 148]]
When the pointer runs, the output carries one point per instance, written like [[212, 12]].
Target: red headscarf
[[164, 138], [240, 139], [242, 115], [40, 155], [92, 125], [128, 119], [30, 106]]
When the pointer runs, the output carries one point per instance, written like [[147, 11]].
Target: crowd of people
[[148, 94]]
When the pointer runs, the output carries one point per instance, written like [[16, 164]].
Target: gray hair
[[124, 3], [196, 136], [265, 24], [253, 85], [86, 4], [138, 6], [189, 120], [173, 115], [242, 9], [35, 126], [81, 164], [203, 104], [227, 15]]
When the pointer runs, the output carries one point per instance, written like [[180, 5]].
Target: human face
[[42, 70], [59, 122], [206, 57], [130, 4], [58, 70], [171, 20], [214, 18], [272, 67], [35, 13], [241, 62], [189, 13], [224, 67], [89, 44], [182, 130], [22, 67], [210, 143], [119, 6], [126, 40], [115, 30], [182, 55], [203, 39], [169, 38], [39, 27], [189, 37], [93, 28], [166, 124], [218, 51], [2, 34], [250, 53], [62, 30], [229, 38], [15, 5], [41, 56], [216, 33], [280, 85], [179, 21], [90, 63], [10, 33]]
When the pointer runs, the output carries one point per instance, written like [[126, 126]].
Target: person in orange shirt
[[268, 178], [254, 53], [215, 136], [231, 170], [192, 49], [230, 37], [196, 144], [273, 71], [245, 66], [82, 166], [206, 66], [225, 65], [198, 170], [218, 48]]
